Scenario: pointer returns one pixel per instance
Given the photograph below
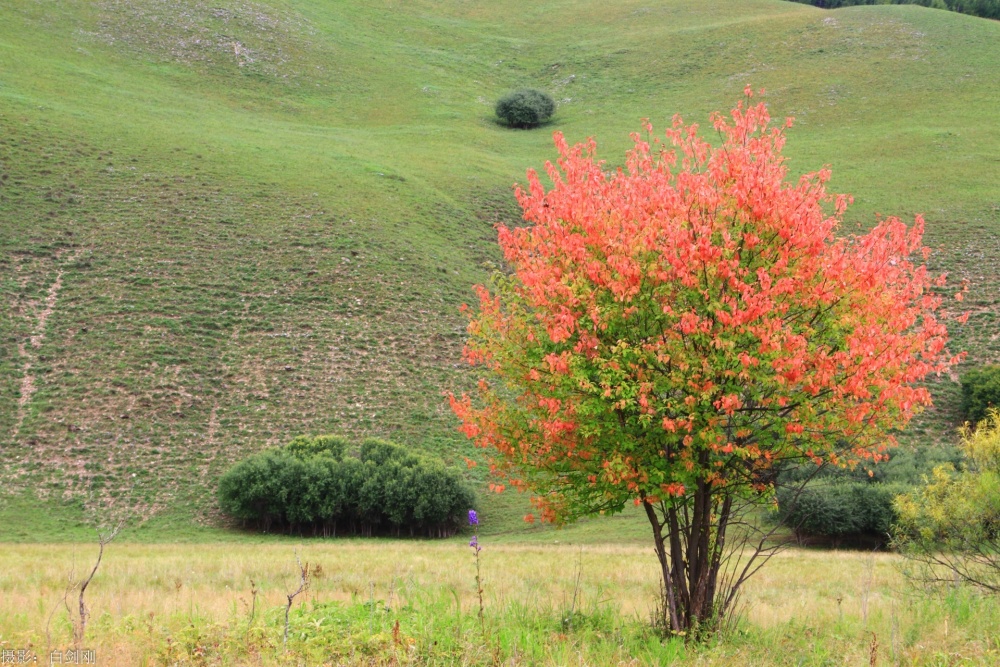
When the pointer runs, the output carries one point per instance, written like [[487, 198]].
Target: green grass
[[263, 216]]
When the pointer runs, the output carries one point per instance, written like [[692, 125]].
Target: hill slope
[[223, 224]]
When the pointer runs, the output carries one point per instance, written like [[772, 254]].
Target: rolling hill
[[226, 223]]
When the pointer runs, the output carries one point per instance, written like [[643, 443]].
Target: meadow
[[384, 602]]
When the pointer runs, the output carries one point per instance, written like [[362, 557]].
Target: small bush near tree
[[525, 108], [980, 392], [853, 507], [950, 527], [840, 512], [314, 485]]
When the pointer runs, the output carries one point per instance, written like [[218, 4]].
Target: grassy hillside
[[226, 223]]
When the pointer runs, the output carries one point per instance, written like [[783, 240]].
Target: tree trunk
[[670, 603], [690, 543]]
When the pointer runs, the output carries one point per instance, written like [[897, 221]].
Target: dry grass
[[809, 604]]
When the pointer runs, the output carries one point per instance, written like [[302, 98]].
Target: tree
[[672, 332], [951, 526]]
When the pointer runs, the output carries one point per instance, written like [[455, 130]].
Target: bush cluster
[[855, 506], [980, 392], [525, 108], [840, 512], [313, 485]]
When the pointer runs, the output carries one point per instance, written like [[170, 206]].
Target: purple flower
[[473, 518], [474, 542]]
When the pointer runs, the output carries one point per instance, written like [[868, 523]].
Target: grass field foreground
[[392, 602]]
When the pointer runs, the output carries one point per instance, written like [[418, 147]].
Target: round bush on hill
[[525, 108]]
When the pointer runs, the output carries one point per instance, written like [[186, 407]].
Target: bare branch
[[303, 586]]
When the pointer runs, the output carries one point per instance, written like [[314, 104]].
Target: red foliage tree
[[674, 331]]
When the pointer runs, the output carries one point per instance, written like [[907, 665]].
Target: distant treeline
[[989, 9]]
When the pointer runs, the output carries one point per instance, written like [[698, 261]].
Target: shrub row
[[855, 506], [313, 486], [840, 512]]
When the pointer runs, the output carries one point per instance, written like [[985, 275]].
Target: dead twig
[[103, 539], [303, 586]]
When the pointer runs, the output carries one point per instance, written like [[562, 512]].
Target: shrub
[[840, 512], [525, 108], [312, 485], [380, 452], [855, 506], [950, 526], [980, 392], [305, 446]]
